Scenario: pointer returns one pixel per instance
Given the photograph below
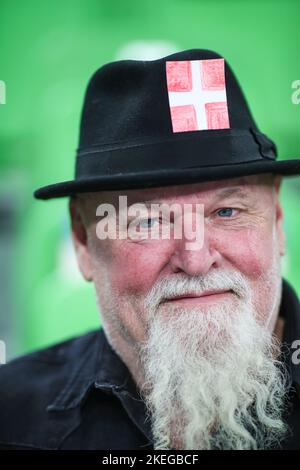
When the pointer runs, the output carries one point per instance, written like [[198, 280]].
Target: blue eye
[[226, 212], [146, 224]]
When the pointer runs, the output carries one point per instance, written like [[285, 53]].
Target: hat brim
[[166, 177]]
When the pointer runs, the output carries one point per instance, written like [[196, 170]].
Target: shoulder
[[51, 361], [30, 383]]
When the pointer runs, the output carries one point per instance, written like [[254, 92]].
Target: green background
[[48, 51]]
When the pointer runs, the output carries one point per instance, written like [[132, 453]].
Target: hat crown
[[179, 119], [127, 101]]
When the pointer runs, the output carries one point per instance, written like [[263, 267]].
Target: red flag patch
[[197, 95]]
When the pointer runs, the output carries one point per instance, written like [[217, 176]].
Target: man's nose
[[198, 260]]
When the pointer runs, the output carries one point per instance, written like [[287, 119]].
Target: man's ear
[[80, 239], [279, 216]]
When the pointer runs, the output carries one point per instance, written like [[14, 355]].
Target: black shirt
[[80, 395]]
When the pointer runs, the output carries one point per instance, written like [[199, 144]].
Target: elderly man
[[198, 345]]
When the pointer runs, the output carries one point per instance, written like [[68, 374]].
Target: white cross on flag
[[197, 95]]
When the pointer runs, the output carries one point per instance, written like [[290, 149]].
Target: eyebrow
[[228, 192]]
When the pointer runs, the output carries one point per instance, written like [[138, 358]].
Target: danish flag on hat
[[197, 94]]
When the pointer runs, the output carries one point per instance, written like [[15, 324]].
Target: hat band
[[225, 148]]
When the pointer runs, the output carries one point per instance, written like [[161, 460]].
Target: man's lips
[[206, 296]]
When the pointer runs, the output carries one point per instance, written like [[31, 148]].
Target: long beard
[[211, 377]]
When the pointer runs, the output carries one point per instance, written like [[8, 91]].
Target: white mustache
[[180, 285]]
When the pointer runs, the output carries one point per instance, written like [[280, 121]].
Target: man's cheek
[[252, 253], [135, 274]]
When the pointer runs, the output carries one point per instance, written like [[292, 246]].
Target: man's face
[[139, 281], [242, 233]]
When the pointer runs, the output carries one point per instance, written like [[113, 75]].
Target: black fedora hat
[[179, 119]]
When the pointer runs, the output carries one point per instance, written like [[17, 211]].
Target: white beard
[[211, 379]]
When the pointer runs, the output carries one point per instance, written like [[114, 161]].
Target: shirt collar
[[290, 312], [100, 367], [114, 377]]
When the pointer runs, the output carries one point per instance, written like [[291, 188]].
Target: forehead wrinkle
[[222, 194], [228, 192], [240, 186]]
